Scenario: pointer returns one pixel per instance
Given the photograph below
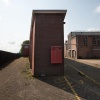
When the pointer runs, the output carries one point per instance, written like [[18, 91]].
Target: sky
[[15, 18]]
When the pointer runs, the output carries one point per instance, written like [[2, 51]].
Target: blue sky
[[15, 18]]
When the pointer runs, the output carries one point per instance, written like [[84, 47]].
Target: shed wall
[[49, 31]]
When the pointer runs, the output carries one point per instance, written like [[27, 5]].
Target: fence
[[7, 56]]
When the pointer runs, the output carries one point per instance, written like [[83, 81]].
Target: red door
[[56, 54]]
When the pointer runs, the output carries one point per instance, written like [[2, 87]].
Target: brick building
[[47, 42], [83, 45]]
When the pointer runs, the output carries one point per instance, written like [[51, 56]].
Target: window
[[96, 40], [85, 40]]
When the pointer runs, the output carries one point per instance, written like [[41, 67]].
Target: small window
[[96, 40], [85, 40]]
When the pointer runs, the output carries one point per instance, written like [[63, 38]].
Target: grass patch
[[27, 70]]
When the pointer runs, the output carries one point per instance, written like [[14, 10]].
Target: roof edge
[[49, 11], [84, 33]]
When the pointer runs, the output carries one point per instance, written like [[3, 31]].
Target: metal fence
[[7, 56]]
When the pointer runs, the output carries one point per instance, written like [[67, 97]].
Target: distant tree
[[24, 42]]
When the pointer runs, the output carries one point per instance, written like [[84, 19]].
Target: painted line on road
[[84, 74], [74, 92]]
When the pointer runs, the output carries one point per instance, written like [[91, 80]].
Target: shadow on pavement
[[84, 87]]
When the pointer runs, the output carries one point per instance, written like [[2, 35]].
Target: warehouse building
[[47, 42], [83, 45]]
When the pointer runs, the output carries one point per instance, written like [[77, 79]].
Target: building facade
[[83, 45], [65, 49], [47, 42]]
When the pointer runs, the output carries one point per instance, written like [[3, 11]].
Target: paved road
[[17, 84], [87, 87]]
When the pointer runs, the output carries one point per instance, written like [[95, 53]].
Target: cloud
[[93, 29], [8, 46], [7, 2], [0, 18], [99, 18], [97, 9], [12, 42]]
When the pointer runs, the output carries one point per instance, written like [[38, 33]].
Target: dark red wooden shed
[[47, 42], [25, 50]]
